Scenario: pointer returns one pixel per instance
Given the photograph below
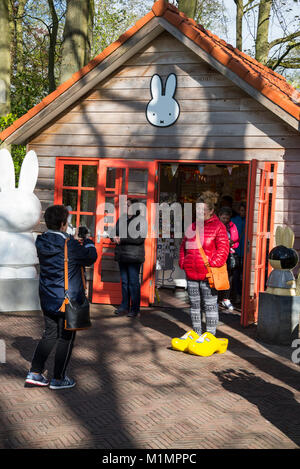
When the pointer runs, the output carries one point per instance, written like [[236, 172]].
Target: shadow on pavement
[[275, 403]]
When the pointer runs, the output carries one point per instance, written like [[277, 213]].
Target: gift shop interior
[[183, 183]]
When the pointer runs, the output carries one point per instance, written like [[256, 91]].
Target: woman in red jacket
[[214, 240]]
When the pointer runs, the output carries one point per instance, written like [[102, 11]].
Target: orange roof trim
[[269, 83]]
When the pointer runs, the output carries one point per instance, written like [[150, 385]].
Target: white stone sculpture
[[20, 211]]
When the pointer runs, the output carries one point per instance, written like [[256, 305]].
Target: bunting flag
[[174, 167]]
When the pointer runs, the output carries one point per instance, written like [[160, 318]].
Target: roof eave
[[145, 30], [225, 71]]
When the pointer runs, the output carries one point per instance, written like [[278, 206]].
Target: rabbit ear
[[278, 235], [171, 85], [29, 172], [156, 87], [288, 237], [7, 171]]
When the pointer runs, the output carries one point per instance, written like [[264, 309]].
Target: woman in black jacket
[[130, 254]]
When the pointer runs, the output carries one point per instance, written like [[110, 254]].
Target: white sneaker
[[227, 304]]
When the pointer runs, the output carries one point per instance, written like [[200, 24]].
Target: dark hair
[[243, 204], [227, 198], [133, 201], [225, 211], [55, 215]]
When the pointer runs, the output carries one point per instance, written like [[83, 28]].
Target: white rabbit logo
[[163, 109], [20, 211]]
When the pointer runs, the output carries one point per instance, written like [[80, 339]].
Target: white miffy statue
[[20, 211], [163, 109]]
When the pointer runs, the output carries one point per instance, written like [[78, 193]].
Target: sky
[[287, 18]]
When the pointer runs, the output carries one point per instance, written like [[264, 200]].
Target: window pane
[[110, 178], [89, 222], [141, 206], [123, 176], [70, 198], [109, 204], [137, 181], [71, 173], [89, 176], [88, 201], [108, 219], [73, 220], [108, 249]]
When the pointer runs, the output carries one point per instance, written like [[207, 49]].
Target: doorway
[[87, 185], [182, 183]]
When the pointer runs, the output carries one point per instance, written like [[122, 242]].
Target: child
[[233, 236], [50, 250]]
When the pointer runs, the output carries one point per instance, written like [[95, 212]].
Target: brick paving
[[134, 391]]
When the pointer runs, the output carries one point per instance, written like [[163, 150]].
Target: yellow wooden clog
[[206, 345], [181, 343]]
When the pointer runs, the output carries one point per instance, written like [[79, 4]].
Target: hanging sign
[[163, 109]]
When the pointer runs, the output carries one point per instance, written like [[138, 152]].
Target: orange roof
[[269, 83]]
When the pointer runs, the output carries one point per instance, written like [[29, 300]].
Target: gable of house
[[258, 81]]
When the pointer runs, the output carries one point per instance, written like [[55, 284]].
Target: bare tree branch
[[279, 61], [281, 40]]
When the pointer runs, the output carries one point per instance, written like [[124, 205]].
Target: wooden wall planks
[[218, 121]]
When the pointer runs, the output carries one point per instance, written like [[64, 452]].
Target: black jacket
[[50, 250], [130, 249]]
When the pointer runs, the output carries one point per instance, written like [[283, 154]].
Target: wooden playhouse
[[236, 131]]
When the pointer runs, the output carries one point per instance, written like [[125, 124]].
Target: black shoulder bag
[[77, 316]]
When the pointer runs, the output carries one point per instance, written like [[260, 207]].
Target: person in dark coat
[[240, 222], [130, 255], [50, 250]]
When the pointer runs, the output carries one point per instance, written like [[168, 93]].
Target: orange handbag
[[217, 276]]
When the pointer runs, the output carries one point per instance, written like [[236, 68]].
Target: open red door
[[266, 172], [135, 179], [265, 228]]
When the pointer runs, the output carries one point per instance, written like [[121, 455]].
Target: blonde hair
[[209, 198]]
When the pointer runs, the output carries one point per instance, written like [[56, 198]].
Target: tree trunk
[[188, 7], [239, 23], [5, 58], [90, 26], [52, 46], [262, 45], [19, 35], [76, 37], [16, 12]]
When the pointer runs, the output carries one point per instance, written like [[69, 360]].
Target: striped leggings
[[203, 298]]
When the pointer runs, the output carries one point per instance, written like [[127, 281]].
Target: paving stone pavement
[[134, 391]]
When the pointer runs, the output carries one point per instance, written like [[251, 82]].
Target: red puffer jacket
[[215, 245]]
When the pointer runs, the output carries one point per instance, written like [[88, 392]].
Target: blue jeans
[[131, 289]]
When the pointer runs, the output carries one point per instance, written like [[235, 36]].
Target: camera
[[82, 232]]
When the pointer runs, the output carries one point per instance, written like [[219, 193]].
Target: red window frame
[[59, 187]]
